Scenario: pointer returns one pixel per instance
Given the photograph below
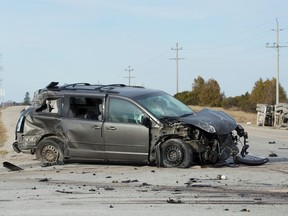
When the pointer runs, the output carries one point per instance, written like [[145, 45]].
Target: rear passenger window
[[89, 108]]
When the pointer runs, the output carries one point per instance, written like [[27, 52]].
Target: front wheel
[[176, 153], [50, 151]]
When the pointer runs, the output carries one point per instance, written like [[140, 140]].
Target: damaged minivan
[[126, 124]]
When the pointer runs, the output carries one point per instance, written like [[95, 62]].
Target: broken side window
[[51, 106]]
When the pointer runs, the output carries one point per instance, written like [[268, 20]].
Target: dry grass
[[240, 116], [3, 136], [3, 152]]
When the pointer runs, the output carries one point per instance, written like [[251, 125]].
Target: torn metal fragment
[[11, 166]]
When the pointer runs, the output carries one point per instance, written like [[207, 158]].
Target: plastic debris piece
[[11, 166]]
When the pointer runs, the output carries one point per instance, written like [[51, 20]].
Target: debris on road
[[11, 166], [63, 191], [170, 200], [273, 155], [51, 164], [44, 180], [129, 181], [221, 177], [251, 160], [245, 210], [109, 188], [145, 184]]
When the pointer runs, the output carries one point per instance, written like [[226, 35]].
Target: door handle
[[96, 127], [111, 128]]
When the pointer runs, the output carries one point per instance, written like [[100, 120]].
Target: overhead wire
[[236, 50]]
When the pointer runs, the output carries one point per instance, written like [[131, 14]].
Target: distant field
[[240, 116]]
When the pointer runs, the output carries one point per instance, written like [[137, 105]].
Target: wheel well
[[50, 136], [50, 140], [162, 139], [156, 151]]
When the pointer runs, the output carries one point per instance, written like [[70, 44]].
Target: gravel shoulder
[[94, 189]]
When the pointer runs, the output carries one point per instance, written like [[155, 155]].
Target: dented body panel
[[128, 124], [212, 121]]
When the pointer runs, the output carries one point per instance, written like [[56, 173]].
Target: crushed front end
[[212, 135]]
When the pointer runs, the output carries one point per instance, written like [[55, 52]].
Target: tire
[[50, 151], [176, 153]]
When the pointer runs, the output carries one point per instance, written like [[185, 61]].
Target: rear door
[[126, 139], [83, 127]]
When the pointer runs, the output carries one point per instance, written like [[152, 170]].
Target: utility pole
[[276, 46], [129, 76], [177, 68]]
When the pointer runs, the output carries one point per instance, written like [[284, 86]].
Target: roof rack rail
[[73, 85], [110, 86], [136, 86], [87, 86]]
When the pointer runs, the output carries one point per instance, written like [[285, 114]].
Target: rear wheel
[[176, 153], [50, 151]]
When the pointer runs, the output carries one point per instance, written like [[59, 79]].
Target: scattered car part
[[251, 160], [273, 155], [221, 177], [11, 166]]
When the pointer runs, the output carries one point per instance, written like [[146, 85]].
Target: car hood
[[212, 121]]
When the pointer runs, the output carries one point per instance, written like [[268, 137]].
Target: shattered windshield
[[163, 105]]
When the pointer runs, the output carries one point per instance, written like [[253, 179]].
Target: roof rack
[[73, 85], [87, 86], [109, 87]]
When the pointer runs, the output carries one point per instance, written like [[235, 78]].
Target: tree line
[[208, 93]]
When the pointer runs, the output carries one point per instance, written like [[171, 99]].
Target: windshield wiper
[[167, 118], [187, 114]]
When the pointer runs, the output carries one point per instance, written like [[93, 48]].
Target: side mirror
[[146, 121]]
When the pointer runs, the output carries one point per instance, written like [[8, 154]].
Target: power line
[[177, 68], [129, 76], [276, 46]]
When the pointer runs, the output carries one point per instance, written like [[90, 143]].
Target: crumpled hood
[[212, 121]]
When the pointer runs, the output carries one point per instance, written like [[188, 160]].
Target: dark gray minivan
[[118, 123]]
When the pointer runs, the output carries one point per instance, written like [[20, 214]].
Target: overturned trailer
[[272, 115], [118, 123]]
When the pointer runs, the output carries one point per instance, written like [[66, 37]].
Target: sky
[[95, 41]]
